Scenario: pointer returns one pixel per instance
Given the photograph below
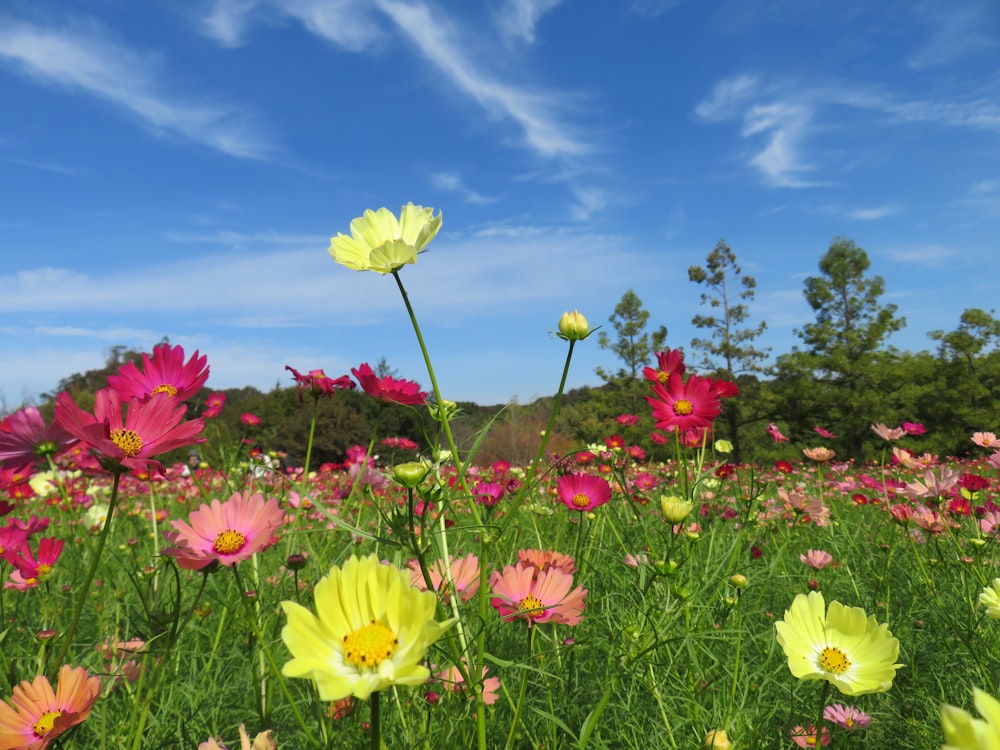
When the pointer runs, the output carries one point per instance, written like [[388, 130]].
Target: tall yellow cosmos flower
[[842, 645], [371, 630], [962, 731], [382, 243]]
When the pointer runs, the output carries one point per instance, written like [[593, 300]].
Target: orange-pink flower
[[36, 714], [820, 454], [226, 533], [464, 572], [521, 591]]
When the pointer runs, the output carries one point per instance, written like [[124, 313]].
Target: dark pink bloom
[[32, 566], [250, 420], [684, 405], [775, 433], [24, 439], [724, 388], [213, 405], [521, 591], [164, 372], [226, 532], [914, 428], [583, 492], [667, 363], [389, 389], [627, 420], [825, 433], [319, 383], [487, 493], [129, 438]]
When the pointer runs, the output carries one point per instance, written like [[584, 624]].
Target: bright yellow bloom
[[675, 509], [723, 446], [717, 739], [843, 646], [381, 243], [990, 598], [371, 630], [964, 732]]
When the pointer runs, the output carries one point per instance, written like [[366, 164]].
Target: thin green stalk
[[522, 691], [312, 434], [89, 578], [376, 722]]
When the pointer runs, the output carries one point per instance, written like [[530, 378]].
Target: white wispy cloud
[[451, 182], [588, 201], [81, 56], [932, 256], [871, 214], [517, 19]]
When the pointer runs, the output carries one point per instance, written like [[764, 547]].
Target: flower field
[[590, 599]]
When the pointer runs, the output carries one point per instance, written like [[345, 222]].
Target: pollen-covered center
[[165, 388], [532, 606], [370, 645], [683, 407], [834, 660], [44, 571], [45, 722], [128, 440], [229, 542], [663, 377], [581, 500]]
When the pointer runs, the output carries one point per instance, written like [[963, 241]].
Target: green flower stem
[[824, 694], [312, 434], [89, 578], [376, 722], [522, 691]]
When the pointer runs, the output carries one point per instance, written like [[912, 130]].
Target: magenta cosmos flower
[[24, 439], [522, 591], [583, 492], [684, 405], [226, 532], [39, 714], [389, 389], [319, 383], [129, 438], [667, 363], [164, 372]]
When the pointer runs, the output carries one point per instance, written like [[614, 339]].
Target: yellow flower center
[[834, 660], [849, 722], [44, 724], [683, 407], [128, 440], [370, 645], [532, 606], [581, 500], [165, 388], [229, 542], [663, 377], [44, 571]]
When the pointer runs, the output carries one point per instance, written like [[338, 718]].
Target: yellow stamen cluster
[[45, 722], [683, 407], [229, 542], [834, 660], [128, 440], [532, 606], [581, 500], [370, 645], [165, 388]]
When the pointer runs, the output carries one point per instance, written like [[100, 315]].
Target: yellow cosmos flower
[[964, 732], [371, 629], [843, 646], [381, 243], [990, 598]]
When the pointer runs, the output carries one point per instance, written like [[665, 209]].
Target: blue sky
[[177, 169]]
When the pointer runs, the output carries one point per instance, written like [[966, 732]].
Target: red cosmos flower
[[32, 569], [213, 405], [658, 437], [684, 405], [614, 441], [24, 439], [319, 383], [129, 439], [583, 492], [389, 389], [250, 420], [783, 466], [973, 482], [164, 372], [725, 388], [667, 363]]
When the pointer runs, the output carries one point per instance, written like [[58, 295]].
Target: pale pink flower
[[635, 561], [820, 454], [994, 460], [984, 439], [847, 717], [464, 572], [888, 434], [931, 485], [452, 678], [807, 737], [929, 520], [816, 558], [800, 504]]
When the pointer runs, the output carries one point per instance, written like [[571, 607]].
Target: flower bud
[[444, 410], [573, 326], [409, 474], [675, 509], [717, 739], [738, 580]]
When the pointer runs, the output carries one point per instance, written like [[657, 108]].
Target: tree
[[844, 355], [729, 351], [634, 346]]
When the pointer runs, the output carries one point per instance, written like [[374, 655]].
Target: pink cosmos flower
[[824, 433], [129, 438], [901, 514], [33, 568], [389, 389], [452, 678], [11, 539], [807, 737], [24, 439], [521, 591], [819, 454], [164, 372], [319, 383], [816, 559], [627, 420], [583, 492], [982, 439], [667, 363], [797, 502], [775, 433], [464, 572], [226, 532], [213, 405], [487, 493], [37, 715], [847, 717], [250, 420], [684, 405], [886, 434], [914, 428], [546, 560], [724, 388]]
